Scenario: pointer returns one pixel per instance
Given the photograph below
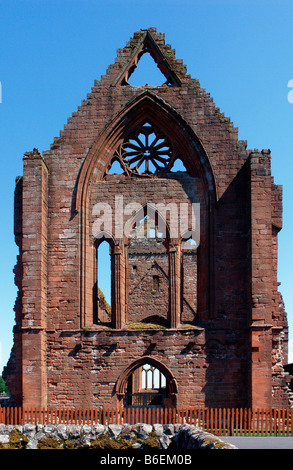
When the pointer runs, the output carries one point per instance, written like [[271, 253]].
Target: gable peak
[[149, 41]]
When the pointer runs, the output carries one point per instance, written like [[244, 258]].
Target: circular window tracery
[[145, 153]]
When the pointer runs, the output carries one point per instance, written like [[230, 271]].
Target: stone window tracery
[[146, 152], [146, 386], [152, 378]]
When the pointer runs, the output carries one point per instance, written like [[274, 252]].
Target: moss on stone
[[145, 326], [105, 441], [17, 440], [215, 443], [72, 444], [152, 441], [49, 443]]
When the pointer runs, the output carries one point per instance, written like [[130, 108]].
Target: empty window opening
[[156, 320], [115, 168], [189, 244], [146, 73], [149, 227], [178, 166], [102, 302], [156, 284]]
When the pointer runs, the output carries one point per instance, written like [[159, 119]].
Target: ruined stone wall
[[92, 362], [228, 290]]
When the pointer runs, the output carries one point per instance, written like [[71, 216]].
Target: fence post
[[220, 422], [287, 412]]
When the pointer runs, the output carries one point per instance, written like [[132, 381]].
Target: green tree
[[3, 387]]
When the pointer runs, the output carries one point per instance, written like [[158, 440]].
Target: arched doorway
[[147, 383]]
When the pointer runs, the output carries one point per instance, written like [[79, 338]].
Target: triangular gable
[[146, 42]]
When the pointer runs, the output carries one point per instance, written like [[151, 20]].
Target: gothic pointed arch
[[147, 261], [146, 108], [120, 386]]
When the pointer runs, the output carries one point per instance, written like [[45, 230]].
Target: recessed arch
[[145, 107], [171, 381], [148, 252]]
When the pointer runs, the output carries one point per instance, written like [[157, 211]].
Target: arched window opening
[[103, 284], [149, 226], [189, 243], [146, 386], [152, 378], [189, 267], [116, 168], [148, 270], [146, 152], [178, 166], [156, 320]]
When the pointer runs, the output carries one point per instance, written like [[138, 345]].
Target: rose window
[[145, 153]]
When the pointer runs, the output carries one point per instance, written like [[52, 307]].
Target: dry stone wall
[[138, 436]]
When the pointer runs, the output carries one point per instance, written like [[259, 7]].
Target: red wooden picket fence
[[218, 421]]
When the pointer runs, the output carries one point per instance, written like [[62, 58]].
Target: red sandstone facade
[[210, 318]]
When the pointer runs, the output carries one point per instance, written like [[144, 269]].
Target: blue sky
[[52, 51]]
